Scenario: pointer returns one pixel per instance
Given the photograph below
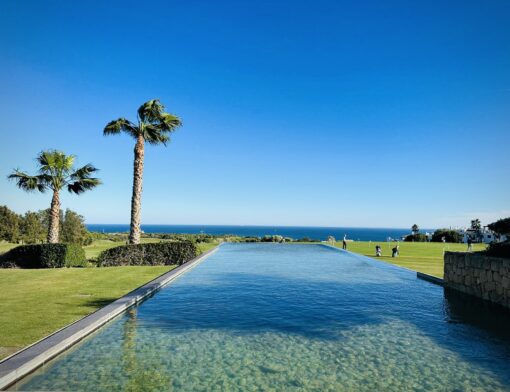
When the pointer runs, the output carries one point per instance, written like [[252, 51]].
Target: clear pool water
[[274, 317]]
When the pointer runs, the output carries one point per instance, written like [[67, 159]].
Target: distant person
[[394, 251], [470, 245], [344, 242], [378, 251], [443, 239]]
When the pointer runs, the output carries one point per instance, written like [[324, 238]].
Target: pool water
[[277, 317]]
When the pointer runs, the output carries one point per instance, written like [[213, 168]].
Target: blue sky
[[364, 113]]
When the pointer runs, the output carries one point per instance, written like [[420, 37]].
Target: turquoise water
[[276, 317]]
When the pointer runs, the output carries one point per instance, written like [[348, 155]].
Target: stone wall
[[482, 276]]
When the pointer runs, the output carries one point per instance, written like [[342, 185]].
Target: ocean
[[296, 232]]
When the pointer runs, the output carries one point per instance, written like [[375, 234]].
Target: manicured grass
[[37, 302], [426, 257], [93, 250], [5, 246]]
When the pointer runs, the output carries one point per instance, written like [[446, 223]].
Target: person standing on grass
[[470, 244], [378, 251], [344, 242], [394, 251]]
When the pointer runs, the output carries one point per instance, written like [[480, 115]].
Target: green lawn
[[37, 302], [424, 257], [93, 250], [5, 246]]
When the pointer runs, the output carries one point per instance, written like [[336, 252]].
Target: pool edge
[[23, 362]]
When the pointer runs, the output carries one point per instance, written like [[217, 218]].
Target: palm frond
[[121, 125], [83, 185], [53, 161], [154, 135], [169, 122], [151, 111], [28, 183], [83, 172]]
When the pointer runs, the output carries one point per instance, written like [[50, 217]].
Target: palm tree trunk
[[136, 199], [54, 225]]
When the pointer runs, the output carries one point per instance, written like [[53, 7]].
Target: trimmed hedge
[[163, 253], [44, 256], [418, 237]]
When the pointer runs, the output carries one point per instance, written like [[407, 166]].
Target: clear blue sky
[[332, 113]]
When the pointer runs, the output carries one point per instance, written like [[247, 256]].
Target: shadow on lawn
[[98, 302]]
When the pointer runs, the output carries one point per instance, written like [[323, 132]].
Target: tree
[[10, 223], [32, 228], [476, 225], [73, 228], [501, 227], [44, 217], [56, 171], [448, 234], [153, 126], [415, 229]]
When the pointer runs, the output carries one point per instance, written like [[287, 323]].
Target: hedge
[[163, 253], [44, 256], [419, 237]]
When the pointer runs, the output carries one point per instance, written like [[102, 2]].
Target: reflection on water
[[292, 317]]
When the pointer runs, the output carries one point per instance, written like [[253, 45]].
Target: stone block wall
[[482, 276]]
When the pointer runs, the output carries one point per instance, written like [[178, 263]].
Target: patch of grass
[[93, 250], [36, 302], [205, 246], [40, 301], [426, 257], [5, 246]]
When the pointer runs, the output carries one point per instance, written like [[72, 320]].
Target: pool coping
[[18, 365]]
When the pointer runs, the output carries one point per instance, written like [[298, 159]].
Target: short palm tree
[[56, 171], [153, 126]]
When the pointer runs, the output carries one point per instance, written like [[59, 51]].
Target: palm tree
[[153, 126], [56, 171]]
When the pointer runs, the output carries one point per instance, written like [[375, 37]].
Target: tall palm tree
[[153, 126], [56, 171]]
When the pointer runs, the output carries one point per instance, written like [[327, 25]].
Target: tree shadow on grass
[[98, 302]]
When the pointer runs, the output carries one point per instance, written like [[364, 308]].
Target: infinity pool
[[274, 317]]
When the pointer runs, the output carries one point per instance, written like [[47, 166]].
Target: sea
[[295, 232]]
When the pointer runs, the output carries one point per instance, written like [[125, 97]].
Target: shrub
[[418, 237], [449, 235], [499, 249], [44, 256], [163, 253]]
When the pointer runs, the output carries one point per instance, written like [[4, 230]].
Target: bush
[[449, 235], [163, 253], [45, 256], [499, 249], [418, 237]]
